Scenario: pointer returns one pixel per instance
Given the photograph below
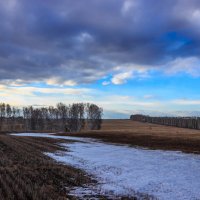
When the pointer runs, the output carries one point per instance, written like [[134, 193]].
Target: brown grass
[[147, 135], [26, 173]]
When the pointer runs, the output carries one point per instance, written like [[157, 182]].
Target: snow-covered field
[[124, 170]]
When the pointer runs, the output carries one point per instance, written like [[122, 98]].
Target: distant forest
[[182, 122], [62, 117]]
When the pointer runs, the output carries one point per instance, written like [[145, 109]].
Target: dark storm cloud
[[83, 40]]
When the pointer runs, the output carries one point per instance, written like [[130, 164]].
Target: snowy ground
[[124, 170]]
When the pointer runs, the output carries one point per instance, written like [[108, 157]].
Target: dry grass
[[147, 135], [26, 173]]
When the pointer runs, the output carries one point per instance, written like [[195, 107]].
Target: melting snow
[[124, 170]]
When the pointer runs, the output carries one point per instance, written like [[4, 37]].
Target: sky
[[127, 56]]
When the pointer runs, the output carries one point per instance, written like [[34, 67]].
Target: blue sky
[[128, 56]]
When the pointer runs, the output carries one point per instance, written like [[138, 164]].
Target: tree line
[[183, 122], [62, 117]]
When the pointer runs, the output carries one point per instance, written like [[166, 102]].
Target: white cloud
[[20, 96], [10, 5], [128, 6], [30, 91], [149, 96], [121, 78], [189, 65], [85, 37], [186, 102], [106, 83], [69, 83], [59, 82]]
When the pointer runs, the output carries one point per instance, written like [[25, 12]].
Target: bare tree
[[63, 117], [8, 116], [183, 122], [76, 119], [2, 111], [94, 116], [63, 114]]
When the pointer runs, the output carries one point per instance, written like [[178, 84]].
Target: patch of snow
[[85, 192], [124, 170], [51, 135]]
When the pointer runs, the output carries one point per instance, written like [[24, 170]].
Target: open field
[[121, 170], [26, 173], [147, 135]]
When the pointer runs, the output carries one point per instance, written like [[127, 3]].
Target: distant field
[[147, 135]]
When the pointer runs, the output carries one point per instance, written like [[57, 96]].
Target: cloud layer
[[74, 42]]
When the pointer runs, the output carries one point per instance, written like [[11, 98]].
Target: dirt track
[[147, 135]]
